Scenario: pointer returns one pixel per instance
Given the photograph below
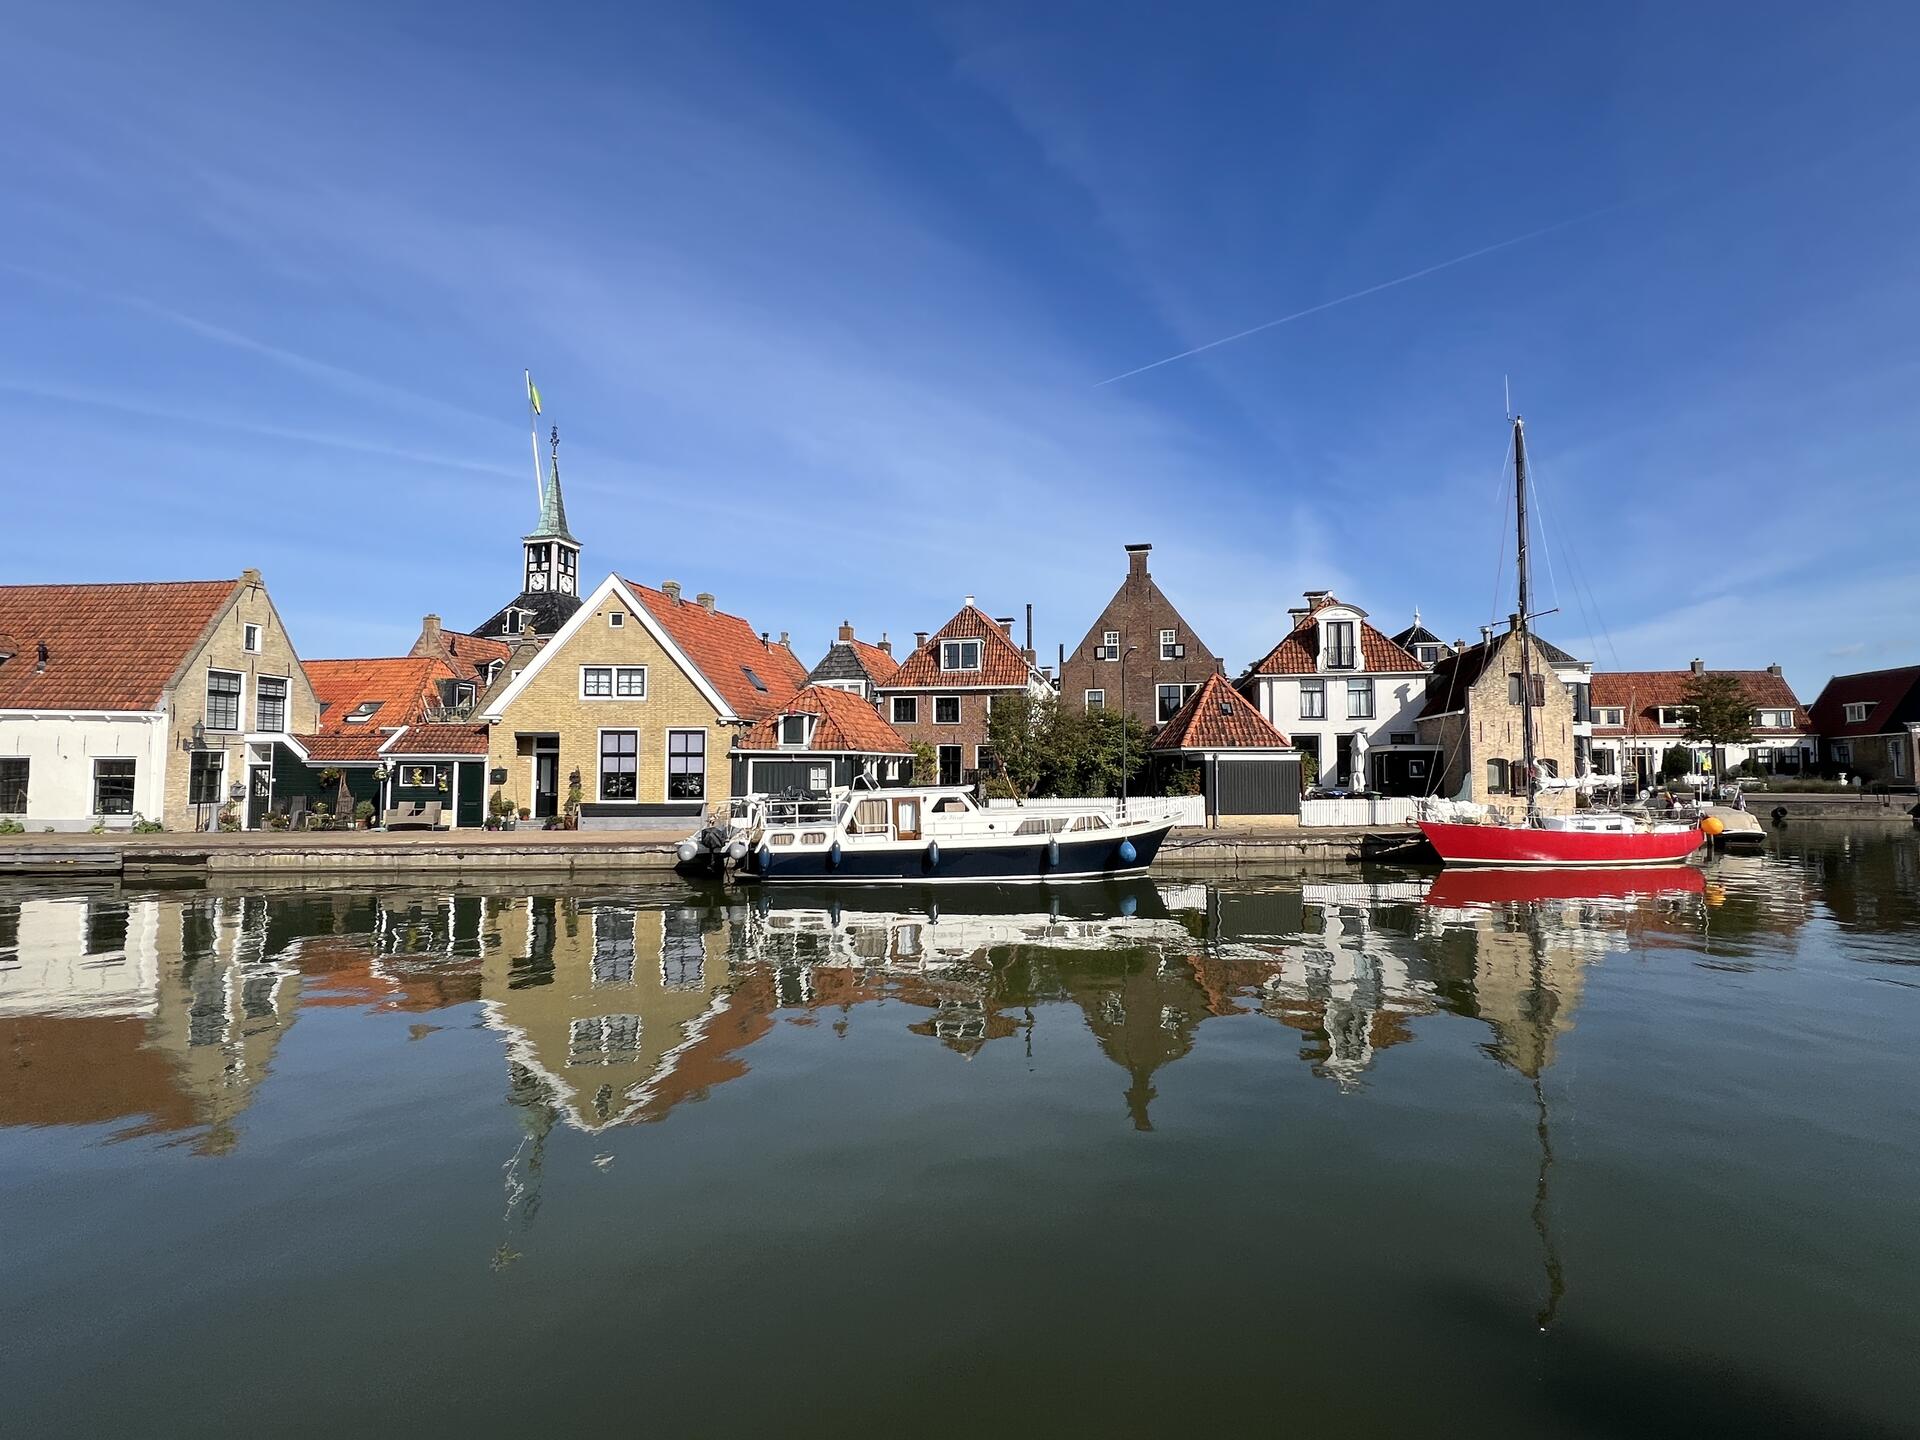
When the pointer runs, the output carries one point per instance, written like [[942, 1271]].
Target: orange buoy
[[1713, 825]]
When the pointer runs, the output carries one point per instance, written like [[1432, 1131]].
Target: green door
[[473, 795]]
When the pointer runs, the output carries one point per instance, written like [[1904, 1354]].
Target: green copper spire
[[553, 507]]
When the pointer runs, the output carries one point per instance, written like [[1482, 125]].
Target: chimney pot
[[969, 602], [705, 597], [886, 646], [1699, 667], [1486, 634], [672, 590], [919, 639], [786, 639]]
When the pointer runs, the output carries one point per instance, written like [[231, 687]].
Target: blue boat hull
[[1079, 860]]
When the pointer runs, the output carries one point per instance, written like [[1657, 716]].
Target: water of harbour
[[1369, 1154]]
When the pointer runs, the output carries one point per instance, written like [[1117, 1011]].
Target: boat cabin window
[[814, 837], [1089, 822], [870, 816], [951, 805], [780, 837]]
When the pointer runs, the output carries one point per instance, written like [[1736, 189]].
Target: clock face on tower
[[537, 580], [566, 584]]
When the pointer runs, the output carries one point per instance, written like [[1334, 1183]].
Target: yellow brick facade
[[1491, 729], [225, 649], [551, 704]]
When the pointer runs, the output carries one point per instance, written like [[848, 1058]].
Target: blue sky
[[823, 297]]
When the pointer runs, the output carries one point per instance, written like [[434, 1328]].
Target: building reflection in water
[[162, 1015]]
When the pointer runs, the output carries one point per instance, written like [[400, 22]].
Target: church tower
[[550, 576]]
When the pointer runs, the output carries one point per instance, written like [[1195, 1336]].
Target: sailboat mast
[[1526, 608]]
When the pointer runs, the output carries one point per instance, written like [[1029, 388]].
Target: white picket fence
[[1181, 809], [1389, 810]]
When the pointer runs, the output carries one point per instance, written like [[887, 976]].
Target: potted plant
[[363, 814], [526, 812], [321, 813], [277, 820], [499, 812], [571, 814], [229, 820], [330, 777]]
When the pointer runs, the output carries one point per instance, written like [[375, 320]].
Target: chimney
[[1029, 625], [430, 631], [1137, 562], [919, 639], [1458, 646], [885, 647], [1047, 672], [705, 597], [846, 630], [250, 576], [1775, 671], [1005, 622], [1062, 657], [1699, 667], [1486, 634], [672, 589], [786, 639]]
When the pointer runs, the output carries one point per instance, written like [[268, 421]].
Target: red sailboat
[[1584, 839]]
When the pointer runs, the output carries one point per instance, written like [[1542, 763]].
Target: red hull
[[1519, 846], [1456, 889]]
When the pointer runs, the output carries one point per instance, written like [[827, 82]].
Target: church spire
[[553, 507]]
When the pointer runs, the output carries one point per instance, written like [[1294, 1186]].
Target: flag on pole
[[533, 393]]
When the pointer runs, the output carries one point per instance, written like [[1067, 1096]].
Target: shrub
[[229, 819], [12, 827], [278, 821], [143, 826], [1183, 781], [363, 811]]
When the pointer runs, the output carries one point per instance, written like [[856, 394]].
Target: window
[[113, 787], [1604, 762], [959, 654], [250, 638], [819, 781], [1843, 752], [686, 765], [754, 680], [1169, 644], [1341, 654], [364, 711], [1514, 683], [613, 682], [1549, 767], [616, 619], [1169, 698], [1109, 646], [493, 670], [223, 700], [619, 765], [1360, 699], [946, 709], [512, 625], [1614, 715], [462, 696], [1858, 711], [603, 1040], [612, 946], [1313, 700], [683, 950], [270, 703], [1774, 719], [1426, 654], [1401, 737], [203, 777], [1496, 777], [906, 710], [1096, 699], [793, 730], [1672, 716], [949, 764], [13, 787]]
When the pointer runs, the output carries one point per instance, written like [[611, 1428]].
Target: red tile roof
[[344, 747], [1002, 665], [1885, 690], [1299, 652], [109, 647], [441, 740], [724, 648], [476, 650], [406, 686], [1218, 717], [879, 664], [1641, 693], [846, 723]]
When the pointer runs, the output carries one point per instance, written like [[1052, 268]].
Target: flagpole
[[533, 437]]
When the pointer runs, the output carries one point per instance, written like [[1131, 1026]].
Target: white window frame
[[240, 703], [706, 770], [806, 730], [133, 787], [600, 760], [617, 675], [1857, 711], [1678, 714], [1317, 688], [252, 636], [616, 619], [286, 696], [959, 649], [959, 713], [1110, 645], [1094, 700], [1612, 716], [1362, 684], [894, 709], [1169, 642]]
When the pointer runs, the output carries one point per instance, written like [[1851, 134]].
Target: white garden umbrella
[[1357, 766]]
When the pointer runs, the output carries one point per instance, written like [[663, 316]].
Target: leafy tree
[[1021, 732], [1718, 713], [1041, 747], [1677, 762], [926, 764]]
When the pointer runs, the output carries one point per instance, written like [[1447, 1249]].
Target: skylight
[[364, 711], [754, 680]]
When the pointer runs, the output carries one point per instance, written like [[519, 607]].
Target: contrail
[[1362, 294]]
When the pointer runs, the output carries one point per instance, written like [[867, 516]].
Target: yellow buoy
[[1713, 825]]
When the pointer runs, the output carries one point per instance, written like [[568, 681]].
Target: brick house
[[641, 692], [1473, 720], [942, 694], [1638, 715], [1141, 648], [851, 664], [1869, 725], [153, 700]]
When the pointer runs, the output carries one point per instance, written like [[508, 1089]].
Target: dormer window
[[364, 711], [1774, 719], [493, 670], [959, 654], [1858, 711], [1341, 652], [462, 695], [512, 625], [1610, 715], [1671, 716], [794, 730], [1427, 654]]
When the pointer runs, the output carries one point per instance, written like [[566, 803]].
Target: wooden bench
[[417, 815]]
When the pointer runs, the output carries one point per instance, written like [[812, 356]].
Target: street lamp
[[1123, 730]]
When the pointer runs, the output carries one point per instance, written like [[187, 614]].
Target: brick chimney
[[1005, 622], [672, 590], [430, 641], [1137, 562], [919, 639], [1699, 667], [846, 631], [705, 597], [1775, 671], [250, 576], [885, 647]]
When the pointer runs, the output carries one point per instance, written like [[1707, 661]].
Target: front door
[[949, 764], [906, 819], [471, 783], [259, 794], [1343, 761], [546, 779]]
